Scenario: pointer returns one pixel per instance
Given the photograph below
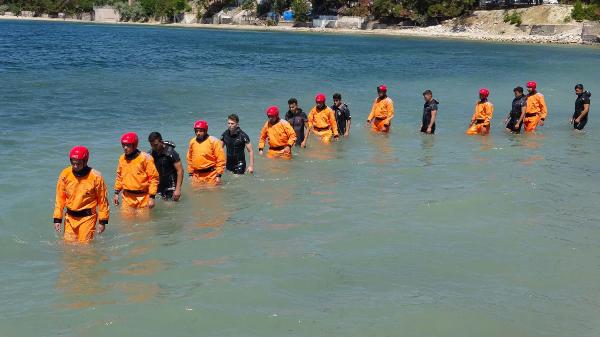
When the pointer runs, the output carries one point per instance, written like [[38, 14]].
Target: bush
[[300, 8], [513, 18], [578, 13], [249, 5], [4, 8], [582, 12]]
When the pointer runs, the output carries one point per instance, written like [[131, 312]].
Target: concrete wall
[[591, 32], [106, 14]]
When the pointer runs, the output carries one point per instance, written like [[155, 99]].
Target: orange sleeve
[[289, 130], [263, 136], [119, 178], [372, 114], [59, 204], [543, 107], [188, 157], [152, 174], [390, 109], [220, 155], [333, 123], [311, 116], [490, 112], [102, 199]]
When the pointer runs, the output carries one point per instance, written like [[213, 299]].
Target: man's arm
[[103, 208], [432, 121], [179, 168], [251, 155], [59, 204]]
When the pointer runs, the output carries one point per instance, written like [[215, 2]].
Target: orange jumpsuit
[[322, 123], [137, 178], [480, 122], [86, 202], [279, 135], [205, 160], [381, 114], [535, 110]]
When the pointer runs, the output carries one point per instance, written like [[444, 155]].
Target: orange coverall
[[535, 110], [480, 122], [138, 179], [279, 135], [381, 114], [322, 123], [86, 202], [205, 160]]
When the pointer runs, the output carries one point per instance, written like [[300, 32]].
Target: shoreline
[[432, 32]]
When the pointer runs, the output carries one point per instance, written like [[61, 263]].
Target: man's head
[[320, 100], [200, 129], [233, 121], [518, 91], [337, 99], [273, 114], [427, 95], [579, 89], [156, 142], [531, 87], [293, 104], [79, 156], [129, 142], [483, 94], [382, 91]]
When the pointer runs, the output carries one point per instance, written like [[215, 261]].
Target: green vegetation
[[300, 8], [582, 12], [513, 18]]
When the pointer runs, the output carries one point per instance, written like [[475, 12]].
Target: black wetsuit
[[342, 115], [515, 113], [165, 165], [427, 108], [297, 120], [583, 98], [236, 145]]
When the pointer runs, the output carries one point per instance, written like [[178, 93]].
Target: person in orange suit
[[382, 111], [205, 156], [279, 134], [484, 111], [536, 109], [321, 121], [137, 176], [82, 191]]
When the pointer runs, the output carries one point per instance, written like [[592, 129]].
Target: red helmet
[[79, 153], [130, 138], [484, 92], [531, 84], [382, 88], [273, 111], [320, 98], [201, 124]]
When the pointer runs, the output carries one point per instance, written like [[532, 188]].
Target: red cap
[[201, 124], [273, 111], [382, 88], [484, 92], [79, 153], [320, 98], [531, 84], [130, 138]]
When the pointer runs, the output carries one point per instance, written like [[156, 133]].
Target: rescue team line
[[81, 193]]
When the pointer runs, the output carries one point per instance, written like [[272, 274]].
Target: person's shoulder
[[147, 156], [97, 174], [213, 139], [243, 134], [65, 172], [285, 123]]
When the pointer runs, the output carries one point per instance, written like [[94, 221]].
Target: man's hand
[[260, 152], [429, 129], [541, 122], [116, 200], [250, 170], [578, 120], [346, 134], [303, 144], [218, 180], [287, 149], [177, 194], [57, 226], [101, 228], [336, 137], [151, 203], [368, 122]]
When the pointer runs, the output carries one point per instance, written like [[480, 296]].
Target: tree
[[300, 8]]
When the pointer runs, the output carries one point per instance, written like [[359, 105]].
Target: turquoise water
[[399, 235]]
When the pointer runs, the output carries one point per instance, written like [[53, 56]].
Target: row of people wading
[[81, 193]]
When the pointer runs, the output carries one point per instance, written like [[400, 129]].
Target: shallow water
[[399, 235]]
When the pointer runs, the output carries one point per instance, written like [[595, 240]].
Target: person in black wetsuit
[[168, 165], [582, 108], [515, 117], [430, 109], [297, 119], [342, 115], [236, 141]]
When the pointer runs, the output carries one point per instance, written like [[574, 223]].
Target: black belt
[[531, 114], [321, 129], [380, 118], [82, 213], [205, 170], [277, 148], [135, 192], [479, 121]]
